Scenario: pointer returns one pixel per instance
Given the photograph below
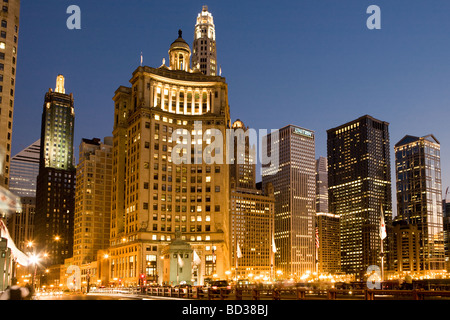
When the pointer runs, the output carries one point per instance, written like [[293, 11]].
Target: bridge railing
[[207, 293]]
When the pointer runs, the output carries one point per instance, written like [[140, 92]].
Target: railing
[[202, 293]]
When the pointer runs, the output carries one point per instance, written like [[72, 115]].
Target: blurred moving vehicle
[[216, 286]]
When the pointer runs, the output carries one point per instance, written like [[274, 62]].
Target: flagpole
[[382, 261], [382, 236], [236, 269]]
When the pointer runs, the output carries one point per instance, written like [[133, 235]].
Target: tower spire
[[204, 47], [60, 84]]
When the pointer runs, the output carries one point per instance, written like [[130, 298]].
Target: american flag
[[238, 251], [317, 237], [382, 225]]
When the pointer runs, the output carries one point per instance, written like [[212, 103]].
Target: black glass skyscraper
[[359, 184], [55, 196]]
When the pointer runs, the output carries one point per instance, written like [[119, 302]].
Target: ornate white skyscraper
[[205, 53]]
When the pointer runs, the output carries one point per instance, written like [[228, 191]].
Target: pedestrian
[[15, 293], [30, 291]]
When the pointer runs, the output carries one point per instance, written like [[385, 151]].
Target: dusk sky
[[310, 63]]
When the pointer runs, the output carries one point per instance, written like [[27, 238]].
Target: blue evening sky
[[310, 63]]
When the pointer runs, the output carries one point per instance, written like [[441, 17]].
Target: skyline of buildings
[[208, 208]]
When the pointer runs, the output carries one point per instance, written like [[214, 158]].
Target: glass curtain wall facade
[[419, 195]]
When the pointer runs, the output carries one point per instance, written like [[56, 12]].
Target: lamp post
[[34, 260]]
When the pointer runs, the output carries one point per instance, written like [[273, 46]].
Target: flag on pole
[[180, 261], [317, 238], [274, 247], [196, 258], [18, 255], [382, 225], [238, 251], [9, 202]]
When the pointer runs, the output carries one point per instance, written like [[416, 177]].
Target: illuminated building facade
[[23, 176], [327, 224], [204, 47], [419, 195], [294, 184], [92, 200], [252, 226], [359, 184], [21, 224], [9, 35], [252, 212], [446, 213], [329, 251], [55, 195], [406, 243], [24, 171], [154, 196], [243, 162], [322, 185]]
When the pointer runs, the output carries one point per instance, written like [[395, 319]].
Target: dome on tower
[[180, 54], [179, 43], [238, 124]]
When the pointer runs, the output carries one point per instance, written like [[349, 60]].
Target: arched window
[[181, 62]]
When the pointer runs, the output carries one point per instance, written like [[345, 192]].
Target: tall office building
[[419, 195], [322, 185], [294, 184], [55, 196], [21, 224], [92, 200], [327, 224], [446, 222], [359, 185], [205, 54], [24, 171], [23, 176], [406, 247], [252, 227], [329, 244], [9, 35], [243, 161], [251, 212], [155, 195]]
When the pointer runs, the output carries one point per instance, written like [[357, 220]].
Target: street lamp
[[279, 274], [34, 259]]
